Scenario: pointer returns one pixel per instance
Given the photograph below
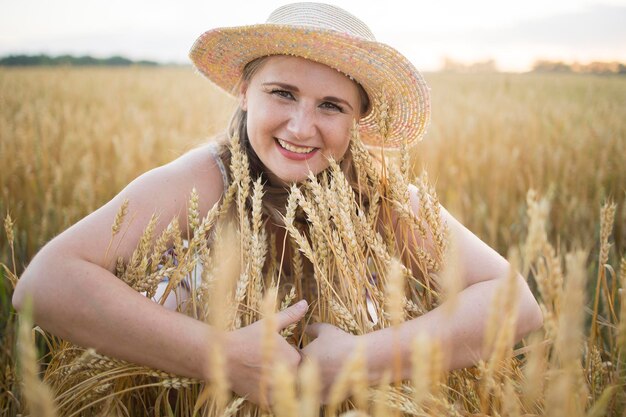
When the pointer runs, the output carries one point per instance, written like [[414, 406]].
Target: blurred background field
[[71, 138]]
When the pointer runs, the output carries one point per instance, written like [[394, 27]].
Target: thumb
[[291, 314]]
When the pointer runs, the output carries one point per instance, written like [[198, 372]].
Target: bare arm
[[95, 309], [77, 297], [460, 331]]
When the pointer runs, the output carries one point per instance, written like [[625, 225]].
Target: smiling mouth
[[293, 148]]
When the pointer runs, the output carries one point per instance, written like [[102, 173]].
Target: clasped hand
[[330, 348]]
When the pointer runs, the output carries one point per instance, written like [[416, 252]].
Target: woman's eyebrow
[[296, 90], [282, 85]]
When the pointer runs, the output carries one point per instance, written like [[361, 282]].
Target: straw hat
[[399, 96]]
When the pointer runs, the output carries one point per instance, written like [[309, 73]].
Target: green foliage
[[70, 60]]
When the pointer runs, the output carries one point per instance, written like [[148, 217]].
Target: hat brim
[[385, 74]]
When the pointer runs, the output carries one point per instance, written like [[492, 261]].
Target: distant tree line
[[36, 60], [591, 68], [489, 65], [451, 65]]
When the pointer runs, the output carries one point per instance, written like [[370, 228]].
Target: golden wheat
[[489, 144]]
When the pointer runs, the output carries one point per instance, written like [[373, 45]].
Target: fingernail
[[302, 304]]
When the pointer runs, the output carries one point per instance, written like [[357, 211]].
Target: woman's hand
[[330, 349], [243, 349]]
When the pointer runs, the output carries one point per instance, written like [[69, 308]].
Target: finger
[[299, 353], [314, 330], [291, 314]]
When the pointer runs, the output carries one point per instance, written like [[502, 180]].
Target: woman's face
[[299, 114]]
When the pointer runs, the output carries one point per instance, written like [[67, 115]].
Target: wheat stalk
[[8, 229], [38, 396]]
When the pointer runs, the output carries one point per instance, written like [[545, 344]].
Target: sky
[[513, 33]]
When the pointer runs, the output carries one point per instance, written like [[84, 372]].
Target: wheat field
[[534, 164]]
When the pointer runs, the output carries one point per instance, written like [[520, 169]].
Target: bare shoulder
[[199, 169], [162, 192], [477, 260]]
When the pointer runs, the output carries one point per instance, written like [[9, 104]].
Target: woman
[[303, 80]]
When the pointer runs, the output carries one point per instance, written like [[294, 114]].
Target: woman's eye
[[282, 93], [332, 106]]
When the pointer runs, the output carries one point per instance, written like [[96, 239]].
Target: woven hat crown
[[323, 16], [399, 97]]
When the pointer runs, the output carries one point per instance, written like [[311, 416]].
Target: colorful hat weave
[[399, 96]]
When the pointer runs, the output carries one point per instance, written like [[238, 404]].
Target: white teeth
[[296, 149]]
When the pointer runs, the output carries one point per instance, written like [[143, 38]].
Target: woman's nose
[[302, 123]]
